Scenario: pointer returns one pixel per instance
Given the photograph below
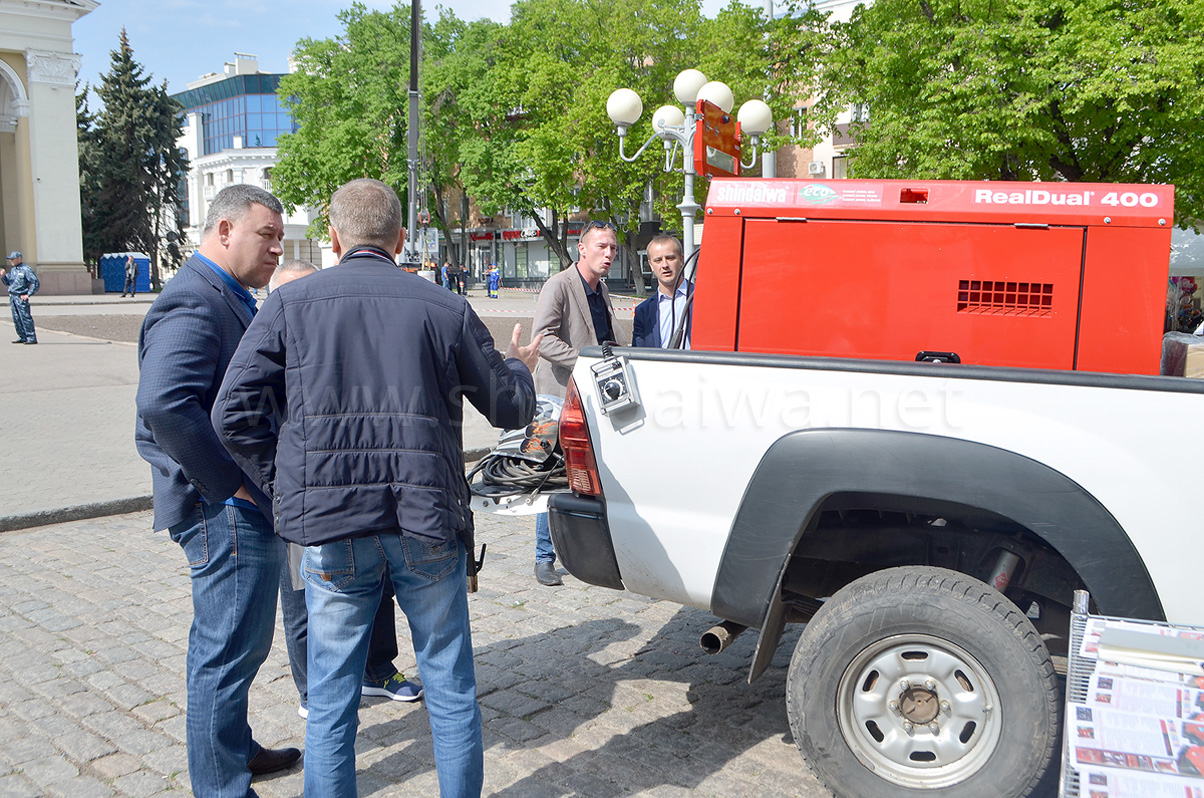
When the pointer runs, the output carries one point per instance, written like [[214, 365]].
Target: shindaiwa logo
[[817, 194], [750, 191]]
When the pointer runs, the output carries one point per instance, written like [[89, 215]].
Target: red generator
[[1037, 275]]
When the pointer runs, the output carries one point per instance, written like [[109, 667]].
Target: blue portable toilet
[[112, 271]]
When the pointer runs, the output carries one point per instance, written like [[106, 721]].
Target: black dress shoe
[[269, 760], [19, 341], [545, 574], [30, 342]]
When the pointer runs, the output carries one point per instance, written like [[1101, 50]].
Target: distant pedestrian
[[446, 274], [22, 284], [131, 276], [493, 279], [218, 517], [462, 280]]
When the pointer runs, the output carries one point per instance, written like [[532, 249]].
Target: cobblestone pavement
[[585, 691]]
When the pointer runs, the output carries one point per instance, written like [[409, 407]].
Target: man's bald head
[[288, 271]]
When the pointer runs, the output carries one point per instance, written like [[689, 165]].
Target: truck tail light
[[578, 451]]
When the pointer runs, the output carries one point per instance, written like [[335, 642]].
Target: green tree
[[349, 97], [131, 167], [168, 167], [502, 167], [561, 59], [349, 100], [462, 113], [89, 181], [514, 114], [1082, 90]]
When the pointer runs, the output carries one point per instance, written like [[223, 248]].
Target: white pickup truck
[[928, 521]]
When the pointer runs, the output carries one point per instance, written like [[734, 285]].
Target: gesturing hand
[[528, 354]]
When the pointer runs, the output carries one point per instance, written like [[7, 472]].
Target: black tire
[[932, 641]]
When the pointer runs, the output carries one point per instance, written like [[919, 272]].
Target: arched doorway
[[14, 107]]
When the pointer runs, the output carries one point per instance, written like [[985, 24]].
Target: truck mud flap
[[581, 537]]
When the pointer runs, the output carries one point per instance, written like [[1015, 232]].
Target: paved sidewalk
[[69, 403], [585, 691], [69, 407]]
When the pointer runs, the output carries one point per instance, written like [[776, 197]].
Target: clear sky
[[180, 40]]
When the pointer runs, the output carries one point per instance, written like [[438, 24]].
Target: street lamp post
[[677, 126]]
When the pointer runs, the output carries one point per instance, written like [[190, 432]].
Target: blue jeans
[[543, 540], [382, 648], [22, 318], [344, 580], [234, 558]]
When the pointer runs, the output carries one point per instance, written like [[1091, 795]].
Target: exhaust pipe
[[720, 636]]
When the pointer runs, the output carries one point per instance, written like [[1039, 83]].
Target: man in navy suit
[[657, 316], [188, 338]]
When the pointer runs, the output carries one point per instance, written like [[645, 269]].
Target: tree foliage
[[130, 166], [1082, 90], [89, 180], [566, 136], [349, 100], [463, 114], [548, 142], [515, 115]]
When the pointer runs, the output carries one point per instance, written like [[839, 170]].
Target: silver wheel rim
[[919, 711]]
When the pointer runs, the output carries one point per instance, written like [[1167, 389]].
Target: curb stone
[[80, 512]]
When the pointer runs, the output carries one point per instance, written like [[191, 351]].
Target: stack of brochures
[[1140, 729]]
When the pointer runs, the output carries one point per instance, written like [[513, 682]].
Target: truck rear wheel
[[923, 680]]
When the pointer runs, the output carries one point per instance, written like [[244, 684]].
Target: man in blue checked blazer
[[188, 338]]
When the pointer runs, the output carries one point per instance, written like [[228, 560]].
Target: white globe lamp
[[624, 107], [755, 117], [686, 85], [718, 93], [667, 116]]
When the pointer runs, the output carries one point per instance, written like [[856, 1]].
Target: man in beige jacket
[[573, 311]]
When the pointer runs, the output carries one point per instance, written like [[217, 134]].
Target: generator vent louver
[[1005, 298]]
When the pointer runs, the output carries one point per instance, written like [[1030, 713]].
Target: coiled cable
[[502, 475]]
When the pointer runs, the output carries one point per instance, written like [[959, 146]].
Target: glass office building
[[232, 127], [242, 105]]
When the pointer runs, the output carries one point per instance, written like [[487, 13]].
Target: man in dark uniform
[[22, 284]]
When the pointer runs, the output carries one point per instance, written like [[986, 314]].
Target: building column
[[55, 248], [12, 203], [15, 180]]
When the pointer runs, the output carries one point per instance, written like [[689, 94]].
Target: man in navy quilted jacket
[[187, 339], [345, 404]]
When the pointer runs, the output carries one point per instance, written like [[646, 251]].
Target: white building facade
[[39, 158], [232, 121]]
